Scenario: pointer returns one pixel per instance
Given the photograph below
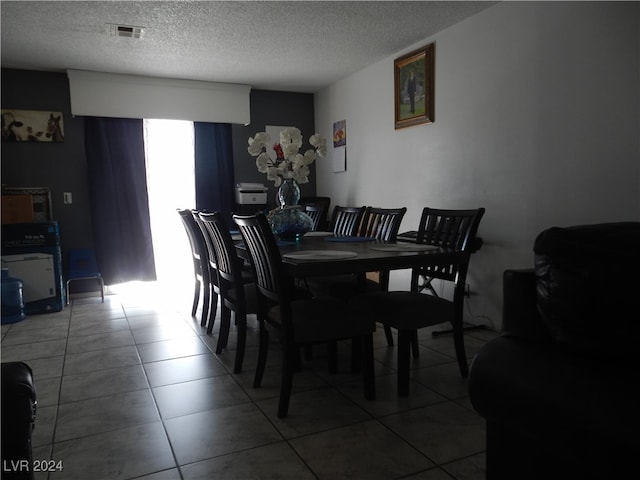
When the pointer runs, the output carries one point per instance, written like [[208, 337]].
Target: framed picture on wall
[[32, 126], [414, 87]]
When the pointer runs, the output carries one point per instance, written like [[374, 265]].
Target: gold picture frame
[[414, 87]]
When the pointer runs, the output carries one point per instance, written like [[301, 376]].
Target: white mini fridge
[[37, 272]]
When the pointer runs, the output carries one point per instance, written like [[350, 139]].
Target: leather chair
[[297, 322], [18, 420], [559, 387]]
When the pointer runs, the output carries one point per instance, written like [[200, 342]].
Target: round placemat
[[403, 247], [320, 255]]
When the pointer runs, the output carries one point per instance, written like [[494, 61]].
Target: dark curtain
[[119, 201], [214, 168]]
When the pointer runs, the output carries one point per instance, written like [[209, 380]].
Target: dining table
[[322, 253]]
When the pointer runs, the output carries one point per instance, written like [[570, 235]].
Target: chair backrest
[[195, 237], [208, 253], [454, 229], [81, 262], [322, 202], [265, 259], [346, 220], [219, 238], [317, 214], [382, 223]]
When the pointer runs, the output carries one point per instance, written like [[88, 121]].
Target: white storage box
[[36, 272], [251, 194]]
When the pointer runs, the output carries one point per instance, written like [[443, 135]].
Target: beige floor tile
[[131, 388]]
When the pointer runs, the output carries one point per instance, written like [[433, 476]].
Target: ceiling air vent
[[128, 31]]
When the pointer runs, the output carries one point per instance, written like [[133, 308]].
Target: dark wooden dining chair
[[235, 287], [317, 214], [323, 202], [346, 221], [201, 271], [408, 311], [381, 223], [378, 223], [297, 322], [210, 264]]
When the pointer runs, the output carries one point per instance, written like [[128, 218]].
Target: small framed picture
[[414, 87], [32, 126]]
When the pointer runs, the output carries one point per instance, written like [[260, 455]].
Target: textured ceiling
[[294, 46]]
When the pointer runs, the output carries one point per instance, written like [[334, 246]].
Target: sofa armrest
[[520, 317]]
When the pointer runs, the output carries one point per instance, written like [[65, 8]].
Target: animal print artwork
[[32, 126]]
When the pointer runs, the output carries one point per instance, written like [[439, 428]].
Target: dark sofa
[[18, 419], [560, 388]]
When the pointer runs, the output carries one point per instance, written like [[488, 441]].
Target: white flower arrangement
[[289, 162]]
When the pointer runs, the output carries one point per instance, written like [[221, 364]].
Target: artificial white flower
[[309, 157], [273, 174], [259, 143], [320, 143], [294, 164], [262, 162], [289, 138], [302, 170], [316, 140]]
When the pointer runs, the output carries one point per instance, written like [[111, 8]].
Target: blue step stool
[[83, 266]]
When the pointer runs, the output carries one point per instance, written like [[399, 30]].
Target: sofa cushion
[[565, 404], [588, 283]]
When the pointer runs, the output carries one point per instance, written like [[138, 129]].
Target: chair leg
[[196, 298], [225, 323], [368, 371], [213, 309], [404, 359], [414, 344], [263, 349], [387, 333], [290, 352], [101, 283], [458, 342], [241, 323], [205, 305]]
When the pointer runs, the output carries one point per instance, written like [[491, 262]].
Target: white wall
[[537, 119]]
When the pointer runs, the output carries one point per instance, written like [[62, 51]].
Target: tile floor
[[130, 389]]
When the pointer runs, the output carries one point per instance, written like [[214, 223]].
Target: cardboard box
[[17, 209]]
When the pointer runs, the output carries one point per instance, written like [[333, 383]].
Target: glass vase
[[288, 193], [289, 222]]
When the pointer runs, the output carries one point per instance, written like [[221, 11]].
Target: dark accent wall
[[278, 109], [62, 166]]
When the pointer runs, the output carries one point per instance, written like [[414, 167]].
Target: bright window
[[169, 147]]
